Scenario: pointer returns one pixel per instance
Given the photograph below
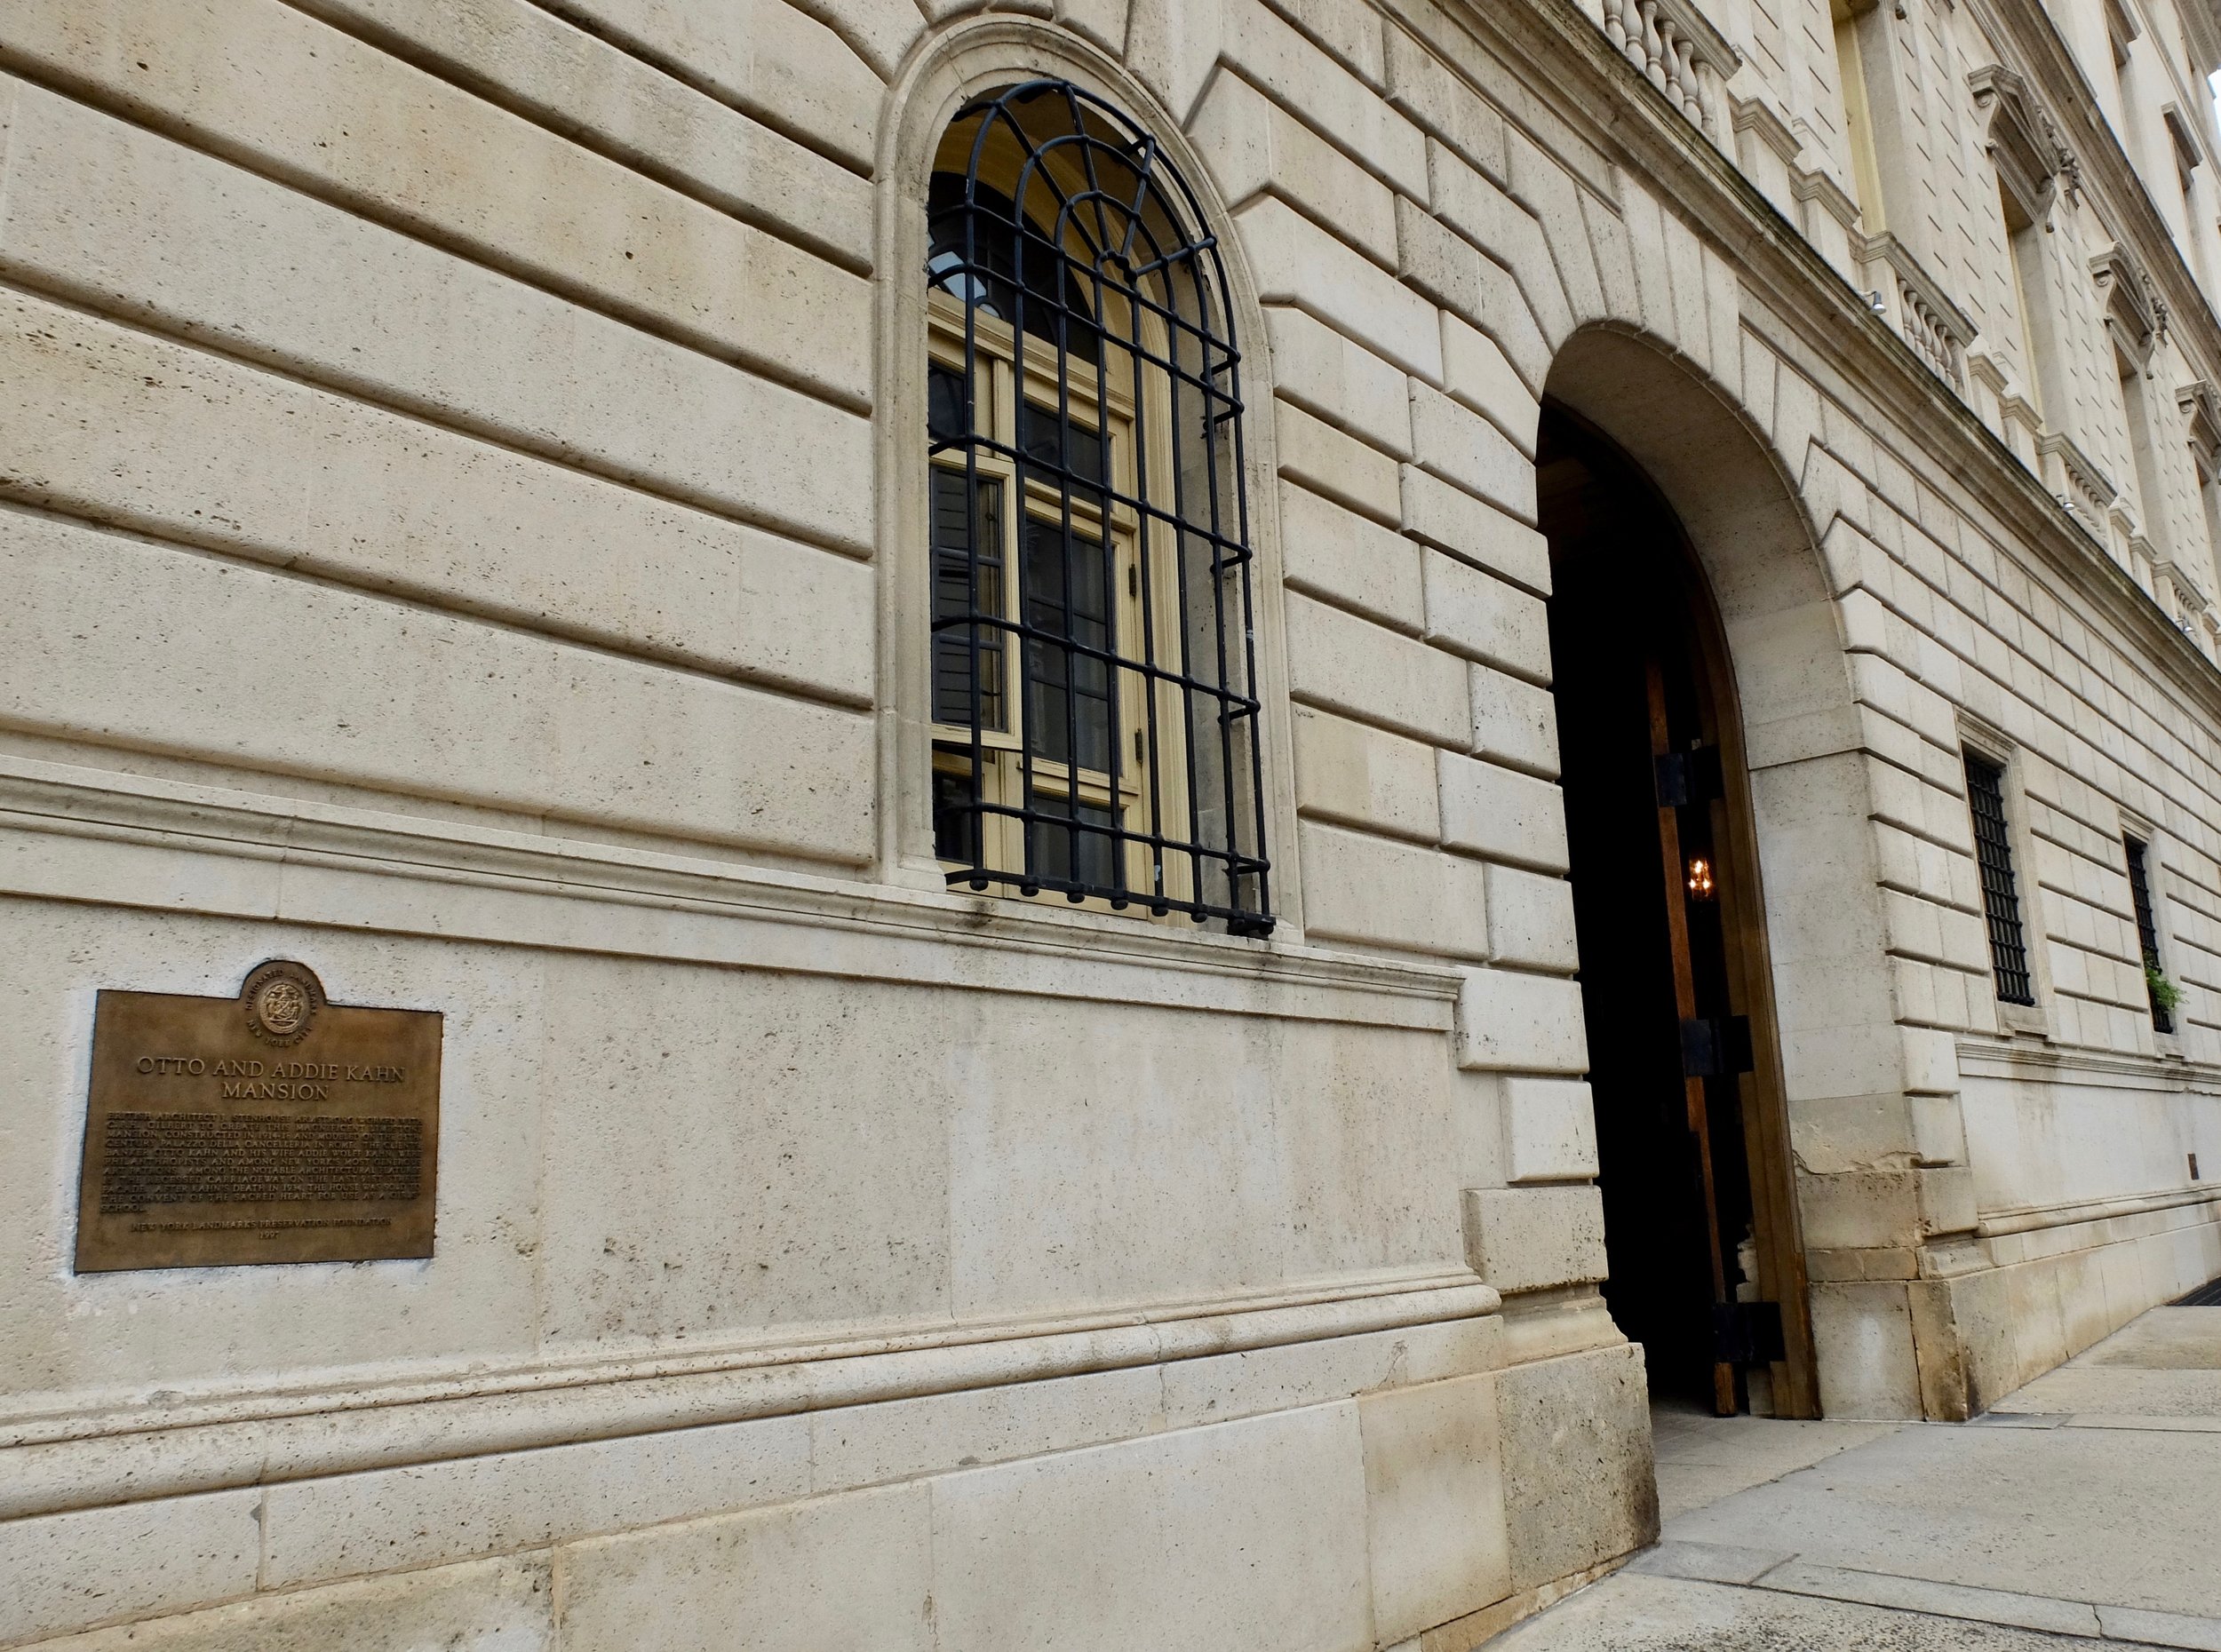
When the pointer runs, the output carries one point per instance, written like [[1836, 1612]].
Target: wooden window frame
[[1107, 412]]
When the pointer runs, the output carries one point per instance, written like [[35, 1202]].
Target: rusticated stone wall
[[449, 501]]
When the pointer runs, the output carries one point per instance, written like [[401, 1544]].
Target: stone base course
[[1407, 1482]]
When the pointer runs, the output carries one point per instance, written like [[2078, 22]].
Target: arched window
[[1095, 701]]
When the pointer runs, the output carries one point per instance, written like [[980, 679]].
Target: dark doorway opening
[[1642, 702]]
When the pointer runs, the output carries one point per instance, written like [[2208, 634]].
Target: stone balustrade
[[1904, 292], [2076, 482], [1683, 55], [1931, 335]]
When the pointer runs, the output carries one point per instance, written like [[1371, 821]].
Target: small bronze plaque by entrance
[[271, 1127]]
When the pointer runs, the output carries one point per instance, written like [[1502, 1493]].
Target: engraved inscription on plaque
[[271, 1127]]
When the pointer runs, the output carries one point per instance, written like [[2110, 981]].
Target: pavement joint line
[[2150, 1422], [2139, 1423], [1730, 1566], [2141, 1627], [1938, 1600]]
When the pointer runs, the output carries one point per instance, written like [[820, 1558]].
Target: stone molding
[[2183, 589], [2201, 19], [79, 829], [2020, 412], [2201, 409], [2024, 142], [1758, 116], [1823, 186], [128, 1450], [2020, 1218], [1980, 1057], [2132, 305], [2016, 416], [2181, 132]]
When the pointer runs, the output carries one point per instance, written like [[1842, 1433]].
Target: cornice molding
[[1758, 116], [2186, 588], [1838, 202], [1988, 1057], [2074, 1214], [1574, 74], [2202, 21], [2187, 153]]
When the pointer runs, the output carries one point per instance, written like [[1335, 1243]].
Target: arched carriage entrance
[[1706, 1269]]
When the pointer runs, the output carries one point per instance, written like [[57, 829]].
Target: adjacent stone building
[[1175, 775]]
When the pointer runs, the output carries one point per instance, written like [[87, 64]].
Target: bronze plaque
[[271, 1127]]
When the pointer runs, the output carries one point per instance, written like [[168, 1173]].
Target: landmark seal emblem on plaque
[[281, 1001], [275, 1126]]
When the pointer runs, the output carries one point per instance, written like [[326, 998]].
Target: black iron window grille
[[1095, 714], [2147, 932], [2001, 896]]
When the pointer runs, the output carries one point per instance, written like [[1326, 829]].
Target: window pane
[[1042, 437], [947, 418], [974, 252], [967, 582], [1067, 588], [955, 825], [1091, 860]]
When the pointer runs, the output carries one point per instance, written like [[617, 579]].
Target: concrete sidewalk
[[2086, 1507]]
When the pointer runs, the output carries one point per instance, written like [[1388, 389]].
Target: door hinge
[[1717, 1048], [1688, 778]]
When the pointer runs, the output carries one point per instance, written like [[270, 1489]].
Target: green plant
[[2165, 993]]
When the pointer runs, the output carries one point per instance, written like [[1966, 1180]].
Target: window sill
[[130, 840]]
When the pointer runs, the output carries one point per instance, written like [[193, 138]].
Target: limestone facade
[[463, 499]]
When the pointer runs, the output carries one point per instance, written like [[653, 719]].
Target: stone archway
[[1795, 785]]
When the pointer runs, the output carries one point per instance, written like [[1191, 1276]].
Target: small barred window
[[1093, 663], [2001, 894], [2155, 984]]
